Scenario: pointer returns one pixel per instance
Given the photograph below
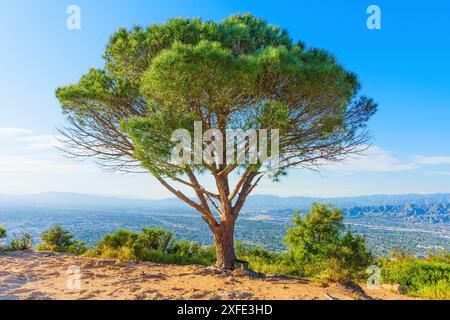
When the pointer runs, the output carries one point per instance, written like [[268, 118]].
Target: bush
[[155, 245], [21, 242], [151, 239], [438, 291], [349, 259], [2, 235], [264, 261], [428, 278], [318, 247], [192, 250], [59, 240], [2, 232]]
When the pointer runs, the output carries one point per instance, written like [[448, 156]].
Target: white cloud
[[18, 138], [21, 150], [437, 173], [30, 163], [38, 142], [7, 133], [432, 160], [374, 159]]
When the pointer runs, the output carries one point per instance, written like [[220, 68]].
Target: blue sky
[[405, 67]]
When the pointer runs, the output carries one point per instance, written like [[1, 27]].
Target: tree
[[58, 239], [21, 242], [241, 73], [319, 244]]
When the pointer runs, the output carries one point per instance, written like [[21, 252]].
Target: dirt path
[[31, 275]]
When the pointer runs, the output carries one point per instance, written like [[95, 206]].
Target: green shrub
[[428, 279], [151, 239], [318, 247], [2, 232], [155, 245], [439, 257], [119, 238], [261, 260], [59, 240], [348, 259], [192, 250], [438, 291], [3, 235], [21, 242]]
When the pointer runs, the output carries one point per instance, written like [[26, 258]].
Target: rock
[[245, 295], [240, 295], [135, 288], [139, 297], [240, 273], [397, 288], [199, 295], [120, 263], [105, 263], [176, 289]]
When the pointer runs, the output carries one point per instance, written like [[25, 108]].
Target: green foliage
[[3, 235], [261, 260], [437, 291], [2, 232], [242, 70], [155, 245], [155, 239], [443, 257], [191, 250], [426, 278], [320, 247], [21, 242], [348, 259], [317, 248], [59, 240]]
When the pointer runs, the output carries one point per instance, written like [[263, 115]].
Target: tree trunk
[[224, 240]]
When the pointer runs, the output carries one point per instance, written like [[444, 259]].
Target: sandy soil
[[40, 276]]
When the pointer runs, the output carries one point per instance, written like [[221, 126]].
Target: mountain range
[[414, 207]]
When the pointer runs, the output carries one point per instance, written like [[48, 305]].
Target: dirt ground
[[40, 276]]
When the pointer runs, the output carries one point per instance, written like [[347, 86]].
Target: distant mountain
[[413, 207], [434, 208], [76, 200], [274, 202]]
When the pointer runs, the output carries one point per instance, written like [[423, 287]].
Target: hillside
[[44, 276]]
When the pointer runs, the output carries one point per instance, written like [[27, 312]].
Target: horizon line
[[131, 197]]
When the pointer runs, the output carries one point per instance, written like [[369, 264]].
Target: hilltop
[[43, 276]]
